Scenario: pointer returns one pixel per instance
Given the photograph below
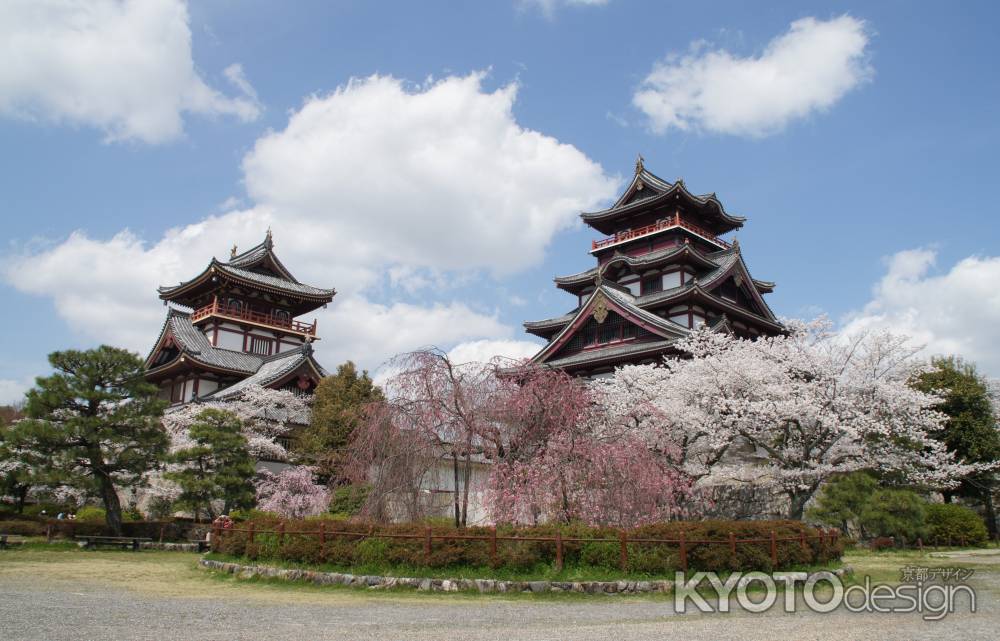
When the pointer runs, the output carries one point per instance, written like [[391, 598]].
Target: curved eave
[[764, 286], [216, 268], [689, 253], [607, 356], [709, 200], [549, 326], [260, 254]]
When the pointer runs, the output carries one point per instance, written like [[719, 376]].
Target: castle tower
[[662, 270], [236, 324]]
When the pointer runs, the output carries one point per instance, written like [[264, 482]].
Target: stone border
[[438, 585], [169, 547]]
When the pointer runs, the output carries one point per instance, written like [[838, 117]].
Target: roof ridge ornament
[[232, 252], [640, 164], [269, 239]]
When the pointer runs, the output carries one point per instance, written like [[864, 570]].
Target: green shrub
[[952, 523], [23, 528], [895, 513], [50, 509], [91, 514], [349, 544], [348, 500], [842, 499], [601, 555]]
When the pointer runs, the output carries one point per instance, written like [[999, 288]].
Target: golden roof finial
[[639, 164]]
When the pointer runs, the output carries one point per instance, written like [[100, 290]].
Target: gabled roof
[[193, 345], [251, 268], [620, 302], [660, 190], [272, 370], [194, 348]]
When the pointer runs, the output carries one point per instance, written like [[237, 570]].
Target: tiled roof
[[195, 344], [558, 321], [270, 371], [274, 282], [664, 189], [651, 258], [612, 352]]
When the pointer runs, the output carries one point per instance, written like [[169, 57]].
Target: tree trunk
[[454, 469], [991, 513], [22, 496], [112, 506], [797, 506], [466, 474]]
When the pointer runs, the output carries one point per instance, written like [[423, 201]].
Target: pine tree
[[93, 425], [338, 404], [971, 429], [216, 467]]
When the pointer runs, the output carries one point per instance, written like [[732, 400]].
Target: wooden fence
[[428, 537]]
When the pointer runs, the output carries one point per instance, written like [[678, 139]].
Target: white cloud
[[368, 189], [12, 392], [441, 176], [483, 351], [805, 70], [548, 7], [122, 67], [954, 312]]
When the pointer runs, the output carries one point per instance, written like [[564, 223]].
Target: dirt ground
[[61, 595]]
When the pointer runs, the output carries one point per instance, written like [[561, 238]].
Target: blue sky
[[437, 190]]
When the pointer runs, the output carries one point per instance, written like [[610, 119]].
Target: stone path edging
[[438, 585]]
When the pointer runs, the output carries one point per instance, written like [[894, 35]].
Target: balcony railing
[[674, 221], [258, 318]]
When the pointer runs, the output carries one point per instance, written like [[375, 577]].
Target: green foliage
[[217, 466], [360, 548], [91, 514], [841, 501], [93, 425], [896, 513], [337, 406], [951, 523], [348, 500]]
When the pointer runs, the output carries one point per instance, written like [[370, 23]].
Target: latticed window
[[260, 346], [613, 329]]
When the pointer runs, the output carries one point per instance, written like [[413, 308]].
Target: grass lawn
[[176, 574]]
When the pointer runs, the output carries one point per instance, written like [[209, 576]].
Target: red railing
[[668, 223], [683, 544], [259, 318]]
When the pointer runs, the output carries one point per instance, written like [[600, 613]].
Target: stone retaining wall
[[438, 585], [170, 547]]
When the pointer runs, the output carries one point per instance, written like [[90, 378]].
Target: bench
[[123, 542], [7, 540]]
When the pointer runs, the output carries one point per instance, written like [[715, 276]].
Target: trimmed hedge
[[950, 523], [35, 526], [301, 544]]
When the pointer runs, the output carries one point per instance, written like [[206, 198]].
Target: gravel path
[[39, 608]]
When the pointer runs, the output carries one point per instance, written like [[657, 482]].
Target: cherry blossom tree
[[807, 405], [556, 456], [266, 415], [291, 493]]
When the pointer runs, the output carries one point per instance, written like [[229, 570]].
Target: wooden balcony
[[674, 222], [244, 315]]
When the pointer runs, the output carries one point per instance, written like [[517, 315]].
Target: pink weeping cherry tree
[[291, 493]]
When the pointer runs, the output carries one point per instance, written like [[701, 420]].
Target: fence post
[[493, 545], [920, 545], [48, 533], [802, 541], [559, 551], [216, 536], [684, 554], [427, 546], [774, 550], [161, 532], [732, 544], [250, 533], [623, 544], [322, 533], [281, 533]]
